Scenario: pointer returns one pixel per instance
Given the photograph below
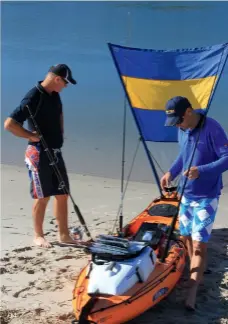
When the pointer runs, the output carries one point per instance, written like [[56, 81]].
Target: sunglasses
[[180, 120], [65, 81]]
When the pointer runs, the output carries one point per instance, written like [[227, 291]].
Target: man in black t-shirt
[[45, 105]]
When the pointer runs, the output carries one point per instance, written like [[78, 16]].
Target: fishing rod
[[62, 184], [126, 185], [122, 172], [215, 84], [123, 148]]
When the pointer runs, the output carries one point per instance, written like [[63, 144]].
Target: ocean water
[[36, 35]]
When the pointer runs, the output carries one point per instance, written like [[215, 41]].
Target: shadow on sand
[[212, 299]]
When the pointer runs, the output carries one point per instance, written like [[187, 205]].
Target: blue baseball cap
[[175, 110]]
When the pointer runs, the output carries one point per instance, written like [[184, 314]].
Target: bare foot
[[185, 284], [65, 238], [40, 241]]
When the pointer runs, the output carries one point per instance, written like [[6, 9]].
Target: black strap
[[86, 310]]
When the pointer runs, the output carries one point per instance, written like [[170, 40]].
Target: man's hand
[[18, 130], [34, 137], [193, 173], [165, 180]]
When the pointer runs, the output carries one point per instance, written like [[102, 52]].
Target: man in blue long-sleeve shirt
[[203, 188]]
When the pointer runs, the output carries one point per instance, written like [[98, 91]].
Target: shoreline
[[84, 174]]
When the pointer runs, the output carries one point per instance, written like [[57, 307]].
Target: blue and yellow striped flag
[[151, 77]]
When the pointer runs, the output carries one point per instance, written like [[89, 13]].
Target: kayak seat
[[165, 210]]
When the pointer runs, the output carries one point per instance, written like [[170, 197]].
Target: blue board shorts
[[43, 180], [196, 218]]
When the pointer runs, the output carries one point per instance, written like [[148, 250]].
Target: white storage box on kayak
[[116, 277]]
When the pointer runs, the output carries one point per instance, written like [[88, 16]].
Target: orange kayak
[[104, 293]]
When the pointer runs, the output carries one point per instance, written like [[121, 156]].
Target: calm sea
[[36, 35]]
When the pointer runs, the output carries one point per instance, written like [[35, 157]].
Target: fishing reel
[[170, 192], [170, 189]]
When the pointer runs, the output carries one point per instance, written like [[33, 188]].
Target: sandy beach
[[37, 284]]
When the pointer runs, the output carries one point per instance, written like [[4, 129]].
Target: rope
[[127, 181], [158, 165]]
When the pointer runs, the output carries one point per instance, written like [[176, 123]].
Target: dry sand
[[36, 284]]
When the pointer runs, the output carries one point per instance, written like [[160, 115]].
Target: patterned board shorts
[[43, 180], [196, 218]]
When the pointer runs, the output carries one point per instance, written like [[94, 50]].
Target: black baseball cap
[[63, 71], [175, 110]]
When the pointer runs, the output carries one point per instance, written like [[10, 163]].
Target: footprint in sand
[[16, 294], [4, 290], [62, 270], [65, 317], [25, 259], [65, 257], [8, 315], [5, 259], [26, 248], [30, 271], [100, 223], [38, 311], [3, 270], [53, 230], [31, 283], [51, 285]]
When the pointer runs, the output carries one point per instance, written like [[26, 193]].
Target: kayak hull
[[143, 295]]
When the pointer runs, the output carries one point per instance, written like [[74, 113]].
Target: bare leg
[[188, 242], [61, 213], [38, 212], [196, 269]]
